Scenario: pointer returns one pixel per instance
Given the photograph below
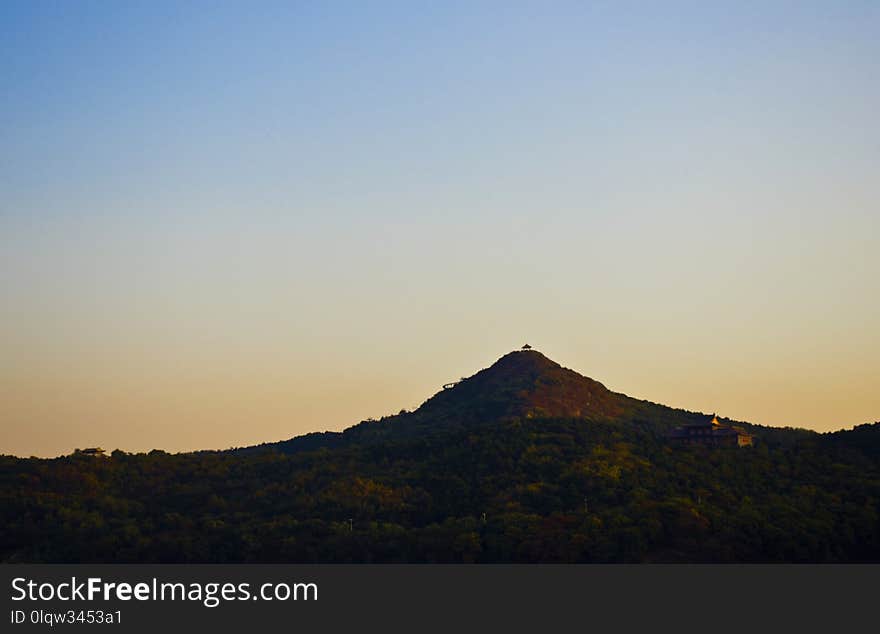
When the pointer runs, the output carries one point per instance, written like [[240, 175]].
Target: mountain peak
[[523, 383], [525, 358]]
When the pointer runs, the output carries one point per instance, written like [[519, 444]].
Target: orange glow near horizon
[[294, 219]]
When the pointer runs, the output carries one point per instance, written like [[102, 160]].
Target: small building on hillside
[[711, 433]]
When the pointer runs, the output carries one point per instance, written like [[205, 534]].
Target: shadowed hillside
[[524, 384], [520, 385]]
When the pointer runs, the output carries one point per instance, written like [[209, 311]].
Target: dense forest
[[523, 462]]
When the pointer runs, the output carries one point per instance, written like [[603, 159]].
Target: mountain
[[523, 384], [525, 461]]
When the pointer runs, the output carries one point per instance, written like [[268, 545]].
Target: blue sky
[[210, 212]]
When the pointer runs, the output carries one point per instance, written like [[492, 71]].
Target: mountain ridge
[[520, 385]]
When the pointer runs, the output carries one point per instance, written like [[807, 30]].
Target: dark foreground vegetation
[[541, 490]]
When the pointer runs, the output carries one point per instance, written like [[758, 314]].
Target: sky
[[230, 223]]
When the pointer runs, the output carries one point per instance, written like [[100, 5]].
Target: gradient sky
[[231, 223]]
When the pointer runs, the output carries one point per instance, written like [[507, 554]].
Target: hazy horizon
[[227, 226]]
